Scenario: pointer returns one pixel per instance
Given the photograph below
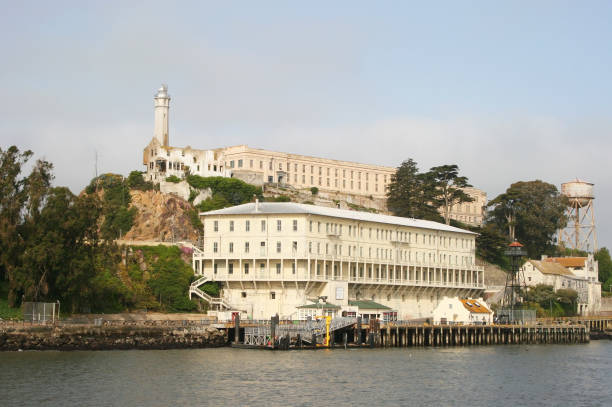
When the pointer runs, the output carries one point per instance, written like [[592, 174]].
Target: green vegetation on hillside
[[118, 216], [550, 303], [225, 191], [173, 178], [57, 246]]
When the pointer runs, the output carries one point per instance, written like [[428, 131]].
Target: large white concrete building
[[577, 273], [273, 258]]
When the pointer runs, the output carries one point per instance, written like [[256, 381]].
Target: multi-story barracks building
[[285, 258]]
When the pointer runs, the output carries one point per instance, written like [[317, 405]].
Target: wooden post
[[236, 328]]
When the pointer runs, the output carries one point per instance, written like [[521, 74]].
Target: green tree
[[21, 200], [491, 245], [449, 186], [605, 268], [411, 194], [532, 212]]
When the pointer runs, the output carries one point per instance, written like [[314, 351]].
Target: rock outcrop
[[161, 217]]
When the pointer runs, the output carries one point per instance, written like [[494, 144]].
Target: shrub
[[314, 190], [173, 178], [136, 181], [233, 190], [280, 198]]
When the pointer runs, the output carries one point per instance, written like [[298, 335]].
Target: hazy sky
[[509, 91]]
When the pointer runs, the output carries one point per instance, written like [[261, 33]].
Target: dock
[[354, 333]]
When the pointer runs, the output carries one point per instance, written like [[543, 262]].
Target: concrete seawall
[[78, 337]]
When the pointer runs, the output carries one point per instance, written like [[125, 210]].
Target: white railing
[[193, 289]]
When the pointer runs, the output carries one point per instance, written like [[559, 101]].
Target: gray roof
[[273, 208]]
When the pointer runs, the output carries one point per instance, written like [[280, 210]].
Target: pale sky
[[509, 91]]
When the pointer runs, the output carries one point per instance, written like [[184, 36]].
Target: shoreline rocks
[[65, 338]]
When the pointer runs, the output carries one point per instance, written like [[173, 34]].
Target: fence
[[516, 316], [41, 312]]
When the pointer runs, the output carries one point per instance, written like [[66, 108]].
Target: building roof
[[475, 306], [549, 267], [320, 305], [367, 304], [567, 261], [271, 208]]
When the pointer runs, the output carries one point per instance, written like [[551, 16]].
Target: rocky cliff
[[161, 217]]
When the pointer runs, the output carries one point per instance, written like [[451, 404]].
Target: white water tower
[[580, 232]]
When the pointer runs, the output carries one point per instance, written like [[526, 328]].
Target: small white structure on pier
[[462, 311]]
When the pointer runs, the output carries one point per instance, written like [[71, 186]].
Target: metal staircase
[[213, 301]]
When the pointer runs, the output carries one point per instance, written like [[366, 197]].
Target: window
[[263, 225], [279, 225], [251, 163], [216, 225], [246, 247], [231, 225], [239, 163], [270, 165], [339, 293], [262, 267], [261, 165], [272, 295], [232, 164], [262, 248], [230, 268], [295, 225], [243, 294], [231, 247], [215, 247], [278, 268], [293, 268], [309, 247], [215, 266], [246, 268], [318, 227], [294, 247], [278, 247], [310, 226], [247, 226]]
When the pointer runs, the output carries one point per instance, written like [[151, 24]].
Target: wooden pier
[[294, 335]]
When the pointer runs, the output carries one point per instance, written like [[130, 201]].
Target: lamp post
[[515, 251]]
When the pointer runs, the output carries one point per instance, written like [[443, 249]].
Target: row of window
[[247, 247], [380, 234], [356, 272], [247, 225], [382, 254], [247, 267], [392, 235], [321, 170]]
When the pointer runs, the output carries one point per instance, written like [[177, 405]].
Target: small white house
[[462, 311]]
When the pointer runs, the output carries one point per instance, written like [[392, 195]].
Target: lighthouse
[[162, 107]]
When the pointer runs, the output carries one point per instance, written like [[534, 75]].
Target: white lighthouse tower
[[162, 107]]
